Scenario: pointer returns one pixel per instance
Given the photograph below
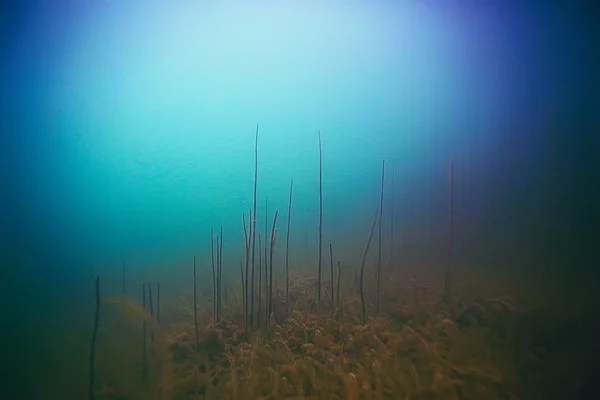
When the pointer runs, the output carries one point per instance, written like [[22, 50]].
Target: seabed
[[485, 340]]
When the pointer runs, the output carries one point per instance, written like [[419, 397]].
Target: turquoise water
[[137, 124], [134, 128]]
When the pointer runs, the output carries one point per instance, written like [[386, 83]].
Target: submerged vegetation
[[373, 332], [417, 347]]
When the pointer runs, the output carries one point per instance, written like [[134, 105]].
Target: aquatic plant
[[392, 202], [331, 274], [94, 336], [287, 248], [253, 233], [214, 273], [379, 235], [409, 348], [320, 222], [270, 307], [195, 304], [144, 340], [448, 278], [362, 269], [130, 308]]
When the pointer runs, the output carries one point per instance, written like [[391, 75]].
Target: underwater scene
[[358, 200]]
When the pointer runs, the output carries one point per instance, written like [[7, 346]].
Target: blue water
[[131, 128]]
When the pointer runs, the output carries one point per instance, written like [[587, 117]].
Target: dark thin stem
[[195, 308], [247, 239], [94, 336], [218, 285], [259, 281], [273, 238], [220, 273], [219, 247], [432, 207], [158, 302], [149, 286], [447, 280], [123, 279], [306, 244], [252, 294], [337, 292], [144, 353], [379, 237], [246, 243], [362, 270], [266, 261], [410, 210], [214, 274], [392, 216], [266, 284], [242, 281], [287, 249], [254, 214], [246, 268], [266, 226], [331, 274], [320, 222]]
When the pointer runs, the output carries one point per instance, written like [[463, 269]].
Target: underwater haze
[[130, 134]]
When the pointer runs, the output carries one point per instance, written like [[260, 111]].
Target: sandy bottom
[[496, 336]]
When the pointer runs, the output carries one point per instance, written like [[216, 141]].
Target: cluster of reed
[[258, 286]]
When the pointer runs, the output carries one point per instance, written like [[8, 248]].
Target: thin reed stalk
[[94, 336], [123, 280], [287, 249], [379, 238], [218, 283], [144, 350], [362, 270], [158, 302], [243, 287], [151, 306], [273, 239], [392, 216], [252, 281], [266, 262], [448, 279], [259, 282], [195, 307], [337, 292], [410, 212], [246, 265], [220, 275], [214, 274], [254, 217], [320, 221], [331, 275]]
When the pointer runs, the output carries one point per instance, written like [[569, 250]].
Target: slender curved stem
[[362, 270]]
